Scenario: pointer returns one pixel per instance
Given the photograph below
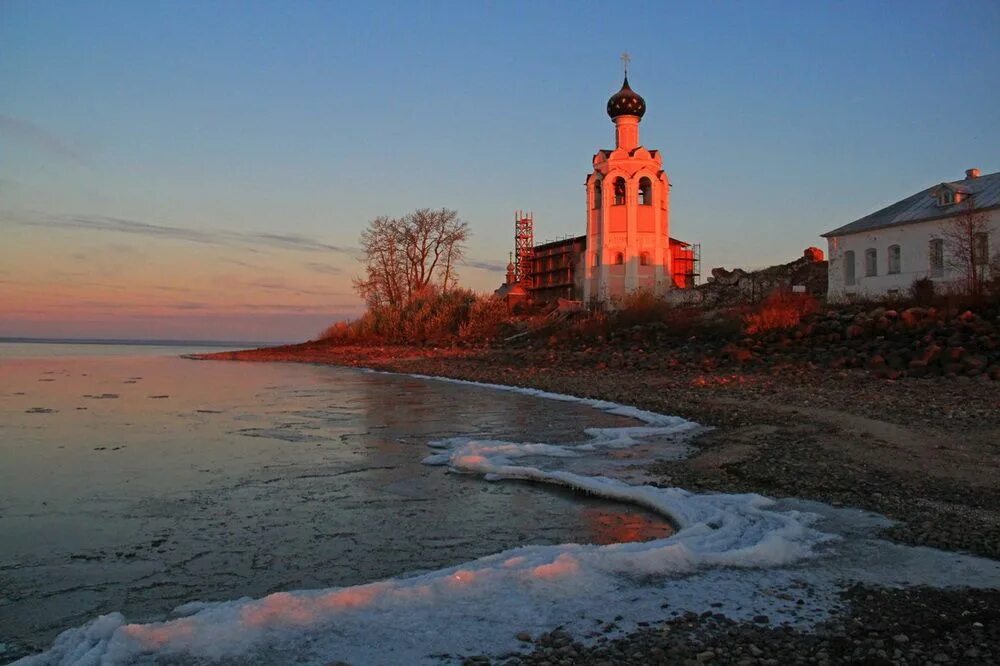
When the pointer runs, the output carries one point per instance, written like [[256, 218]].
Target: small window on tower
[[619, 258], [644, 259], [645, 192], [619, 191], [597, 193]]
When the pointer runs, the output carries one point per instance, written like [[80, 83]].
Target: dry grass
[[780, 310], [429, 318], [641, 307]]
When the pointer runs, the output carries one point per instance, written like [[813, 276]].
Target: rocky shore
[[891, 343], [923, 451], [882, 626]]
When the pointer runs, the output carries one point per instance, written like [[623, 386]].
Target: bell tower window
[[619, 191], [597, 193], [645, 192]]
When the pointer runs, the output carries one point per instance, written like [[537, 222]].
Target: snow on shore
[[742, 555]]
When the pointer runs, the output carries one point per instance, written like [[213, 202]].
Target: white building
[[882, 254]]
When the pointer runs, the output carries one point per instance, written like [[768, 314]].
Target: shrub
[[922, 291], [993, 284], [779, 310], [641, 307], [361, 330], [340, 333], [723, 324], [487, 314], [429, 317]]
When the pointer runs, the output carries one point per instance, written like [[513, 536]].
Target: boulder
[[854, 331]]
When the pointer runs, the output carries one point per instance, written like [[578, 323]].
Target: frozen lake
[[135, 482]]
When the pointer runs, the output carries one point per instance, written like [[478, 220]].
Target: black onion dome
[[626, 102]]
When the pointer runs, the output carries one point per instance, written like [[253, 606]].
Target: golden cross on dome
[[626, 59]]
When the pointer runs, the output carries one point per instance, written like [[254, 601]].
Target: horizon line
[[145, 341]]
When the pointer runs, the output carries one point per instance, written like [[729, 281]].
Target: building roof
[[562, 241], [583, 239], [922, 206], [626, 102]]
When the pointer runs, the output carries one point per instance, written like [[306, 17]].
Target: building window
[[935, 253], [645, 192], [619, 258], [871, 262], [980, 249], [597, 259], [597, 193], [619, 191], [644, 258], [947, 196], [849, 268], [893, 259]]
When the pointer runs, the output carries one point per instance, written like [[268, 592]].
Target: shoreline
[[923, 452]]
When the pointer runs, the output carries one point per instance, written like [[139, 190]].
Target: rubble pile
[[910, 342], [807, 274]]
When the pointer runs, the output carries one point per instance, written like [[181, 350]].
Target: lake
[[134, 480]]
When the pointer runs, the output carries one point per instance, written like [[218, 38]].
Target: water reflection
[[623, 523]]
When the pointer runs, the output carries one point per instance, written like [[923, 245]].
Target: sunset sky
[[203, 170]]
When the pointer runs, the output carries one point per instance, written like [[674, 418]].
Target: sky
[[202, 170]]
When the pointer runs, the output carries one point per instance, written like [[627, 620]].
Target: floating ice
[[479, 606]]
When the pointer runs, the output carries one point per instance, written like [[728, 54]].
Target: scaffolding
[[695, 264], [524, 245], [686, 264]]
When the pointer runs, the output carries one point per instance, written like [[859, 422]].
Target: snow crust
[[741, 555]]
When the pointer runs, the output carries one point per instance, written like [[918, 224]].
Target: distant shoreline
[[140, 342]]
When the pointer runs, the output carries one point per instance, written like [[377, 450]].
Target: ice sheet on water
[[651, 418], [479, 606], [656, 426]]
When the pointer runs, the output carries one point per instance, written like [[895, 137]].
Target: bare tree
[[384, 282], [966, 240], [405, 256], [455, 235], [435, 239]]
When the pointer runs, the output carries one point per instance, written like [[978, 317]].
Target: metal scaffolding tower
[[524, 245], [696, 264]]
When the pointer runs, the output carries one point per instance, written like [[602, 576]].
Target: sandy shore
[[925, 452]]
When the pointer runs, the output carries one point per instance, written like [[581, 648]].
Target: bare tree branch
[[409, 255], [967, 248]]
